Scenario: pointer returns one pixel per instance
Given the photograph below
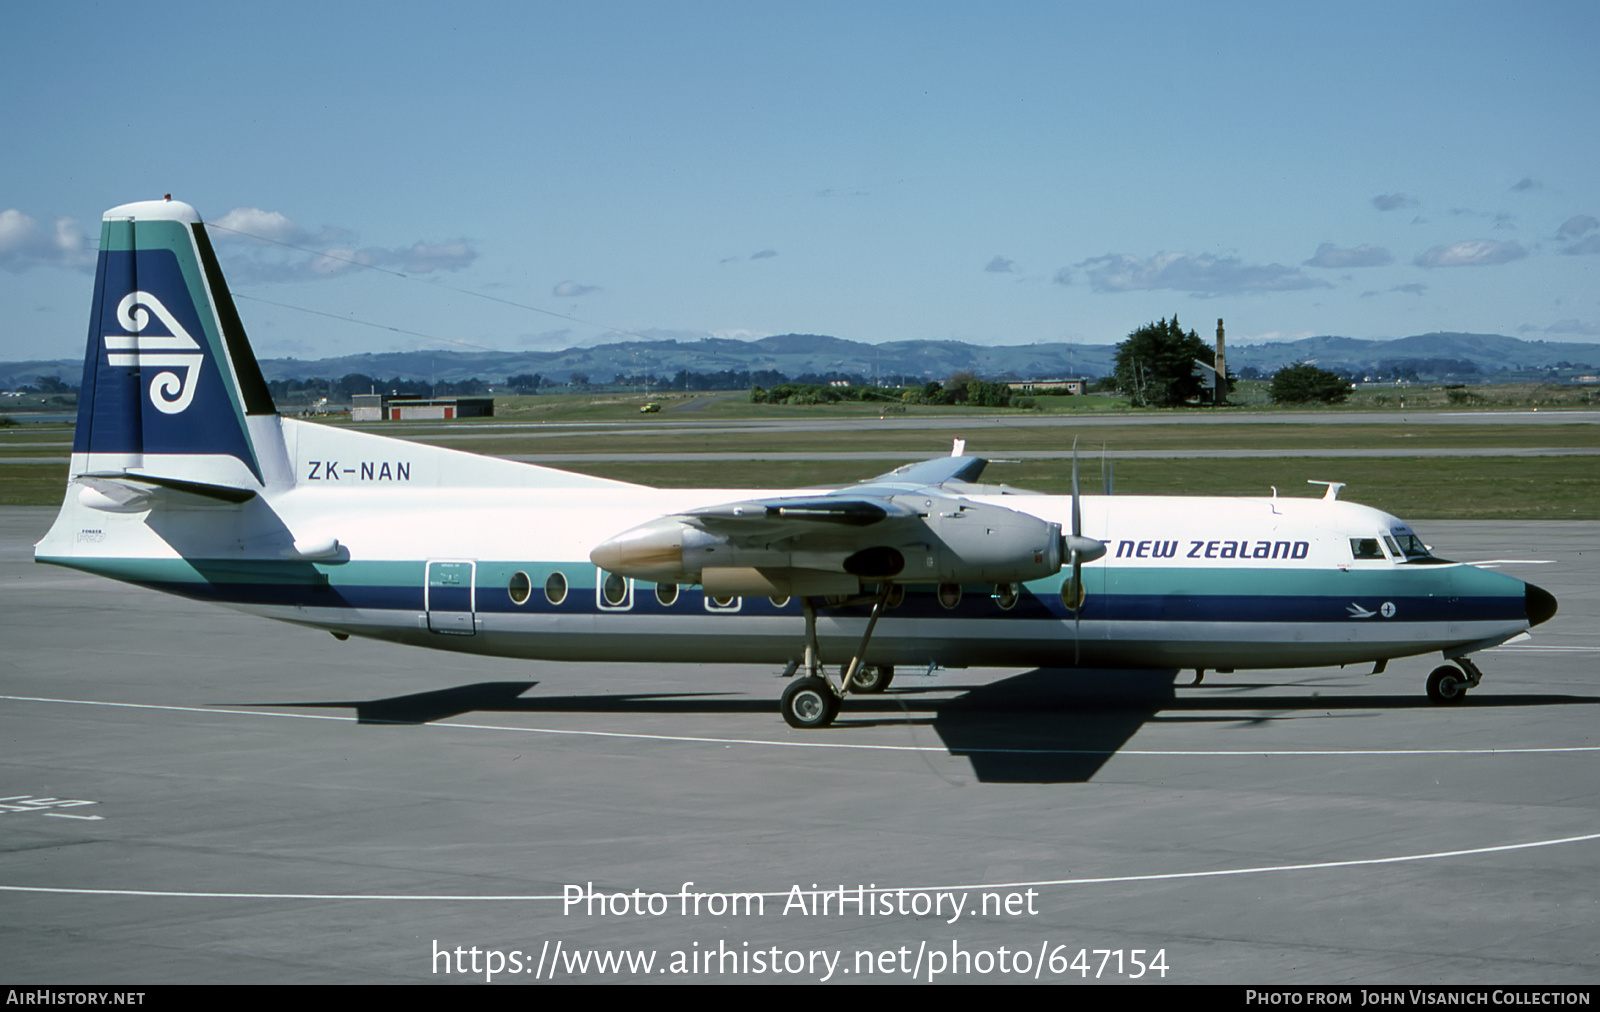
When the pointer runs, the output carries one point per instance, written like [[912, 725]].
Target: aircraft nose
[[1541, 604]]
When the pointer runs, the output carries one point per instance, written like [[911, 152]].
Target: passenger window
[[555, 588], [666, 594], [520, 587], [616, 592]]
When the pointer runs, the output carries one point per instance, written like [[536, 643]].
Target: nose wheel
[[1448, 685]]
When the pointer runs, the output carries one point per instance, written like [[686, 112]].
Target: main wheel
[[872, 678], [1447, 685], [809, 702]]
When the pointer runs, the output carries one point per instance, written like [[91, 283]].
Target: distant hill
[[1480, 356]]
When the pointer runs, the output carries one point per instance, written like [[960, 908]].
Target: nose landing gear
[[1448, 685]]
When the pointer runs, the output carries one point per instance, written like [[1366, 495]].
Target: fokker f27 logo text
[[177, 350]]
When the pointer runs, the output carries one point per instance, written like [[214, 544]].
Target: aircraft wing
[[868, 531], [930, 472], [868, 503], [793, 515]]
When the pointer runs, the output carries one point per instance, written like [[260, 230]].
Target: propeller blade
[[1077, 607], [1077, 513]]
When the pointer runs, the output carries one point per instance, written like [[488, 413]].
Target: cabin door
[[448, 598]]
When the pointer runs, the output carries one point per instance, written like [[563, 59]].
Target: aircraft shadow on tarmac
[[1042, 726]]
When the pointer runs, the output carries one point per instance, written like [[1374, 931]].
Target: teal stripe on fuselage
[[1425, 593], [1404, 580]]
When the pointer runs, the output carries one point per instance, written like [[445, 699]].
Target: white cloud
[[573, 290], [1410, 289], [1572, 327], [1202, 275], [25, 244], [765, 254], [1393, 201], [427, 257], [1000, 265], [1471, 253], [1582, 228], [550, 340], [1528, 183], [254, 223], [1328, 255], [1577, 225], [268, 246]]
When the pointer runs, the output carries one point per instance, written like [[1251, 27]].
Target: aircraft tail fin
[[170, 385]]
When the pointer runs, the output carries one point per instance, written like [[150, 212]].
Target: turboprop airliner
[[184, 478]]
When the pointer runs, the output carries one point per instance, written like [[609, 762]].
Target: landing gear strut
[[813, 700]]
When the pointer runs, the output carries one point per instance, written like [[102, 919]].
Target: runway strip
[[700, 740], [875, 889]]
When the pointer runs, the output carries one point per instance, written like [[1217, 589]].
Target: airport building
[[383, 407]]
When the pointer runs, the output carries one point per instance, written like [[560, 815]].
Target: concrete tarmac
[[195, 795]]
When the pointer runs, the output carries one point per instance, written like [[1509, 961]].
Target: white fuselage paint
[[384, 500]]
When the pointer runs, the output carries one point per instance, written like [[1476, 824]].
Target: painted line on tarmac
[[876, 889], [858, 746]]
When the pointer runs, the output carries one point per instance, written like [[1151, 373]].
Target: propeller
[[1079, 550]]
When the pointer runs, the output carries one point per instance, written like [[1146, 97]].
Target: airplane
[[184, 478]]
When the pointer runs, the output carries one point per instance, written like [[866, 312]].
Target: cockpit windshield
[[1410, 546]]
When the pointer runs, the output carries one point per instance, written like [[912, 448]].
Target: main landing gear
[[813, 700], [1448, 685]]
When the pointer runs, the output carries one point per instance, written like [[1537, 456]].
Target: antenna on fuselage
[[1333, 488]]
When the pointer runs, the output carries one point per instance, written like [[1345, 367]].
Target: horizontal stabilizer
[[123, 491]]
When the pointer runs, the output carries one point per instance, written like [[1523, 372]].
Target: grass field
[[1508, 485], [990, 435]]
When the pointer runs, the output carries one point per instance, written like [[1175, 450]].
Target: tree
[[1297, 384], [1155, 365]]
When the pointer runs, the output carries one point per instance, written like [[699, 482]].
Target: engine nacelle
[[981, 543], [922, 539]]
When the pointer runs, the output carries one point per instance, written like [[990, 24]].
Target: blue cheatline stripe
[[399, 586]]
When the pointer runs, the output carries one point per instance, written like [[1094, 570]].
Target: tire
[[809, 703], [871, 678], [1447, 686]]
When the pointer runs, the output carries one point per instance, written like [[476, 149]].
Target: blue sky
[[1002, 174]]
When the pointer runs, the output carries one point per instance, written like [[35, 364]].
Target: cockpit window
[[1365, 548], [1411, 546]]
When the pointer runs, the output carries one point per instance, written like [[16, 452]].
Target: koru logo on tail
[[170, 393]]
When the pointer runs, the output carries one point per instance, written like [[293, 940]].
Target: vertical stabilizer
[[169, 381]]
